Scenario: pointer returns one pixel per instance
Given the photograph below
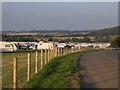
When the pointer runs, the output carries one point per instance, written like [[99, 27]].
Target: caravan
[[7, 47], [45, 45]]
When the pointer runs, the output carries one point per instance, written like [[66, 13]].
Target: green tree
[[75, 40], [86, 39], [115, 41]]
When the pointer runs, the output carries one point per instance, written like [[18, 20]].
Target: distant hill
[[105, 32], [102, 32], [68, 32]]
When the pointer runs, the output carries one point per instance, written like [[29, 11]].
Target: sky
[[24, 16], [60, 0]]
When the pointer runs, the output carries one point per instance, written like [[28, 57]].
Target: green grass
[[7, 68], [57, 73]]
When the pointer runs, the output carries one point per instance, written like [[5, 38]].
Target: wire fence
[[16, 72]]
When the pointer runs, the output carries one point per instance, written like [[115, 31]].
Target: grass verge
[[58, 73]]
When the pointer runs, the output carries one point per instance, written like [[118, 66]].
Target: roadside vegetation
[[115, 41], [60, 72]]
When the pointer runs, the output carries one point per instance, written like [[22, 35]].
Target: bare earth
[[99, 69]]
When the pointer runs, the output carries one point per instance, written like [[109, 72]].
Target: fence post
[[66, 51], [29, 65], [51, 54], [41, 59], [61, 51], [45, 56], [48, 55], [15, 73], [56, 52], [36, 68], [71, 50]]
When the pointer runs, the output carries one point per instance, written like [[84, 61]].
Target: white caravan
[[45, 45], [7, 47], [61, 45]]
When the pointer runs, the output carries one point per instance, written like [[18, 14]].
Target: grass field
[[58, 73], [7, 68]]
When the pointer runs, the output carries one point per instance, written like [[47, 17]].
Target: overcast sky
[[60, 0], [56, 16]]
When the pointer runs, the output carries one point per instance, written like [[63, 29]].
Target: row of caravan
[[15, 46]]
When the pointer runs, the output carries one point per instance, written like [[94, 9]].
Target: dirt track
[[99, 69]]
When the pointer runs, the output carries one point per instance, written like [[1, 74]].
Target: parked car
[[115, 48], [24, 47], [32, 47]]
